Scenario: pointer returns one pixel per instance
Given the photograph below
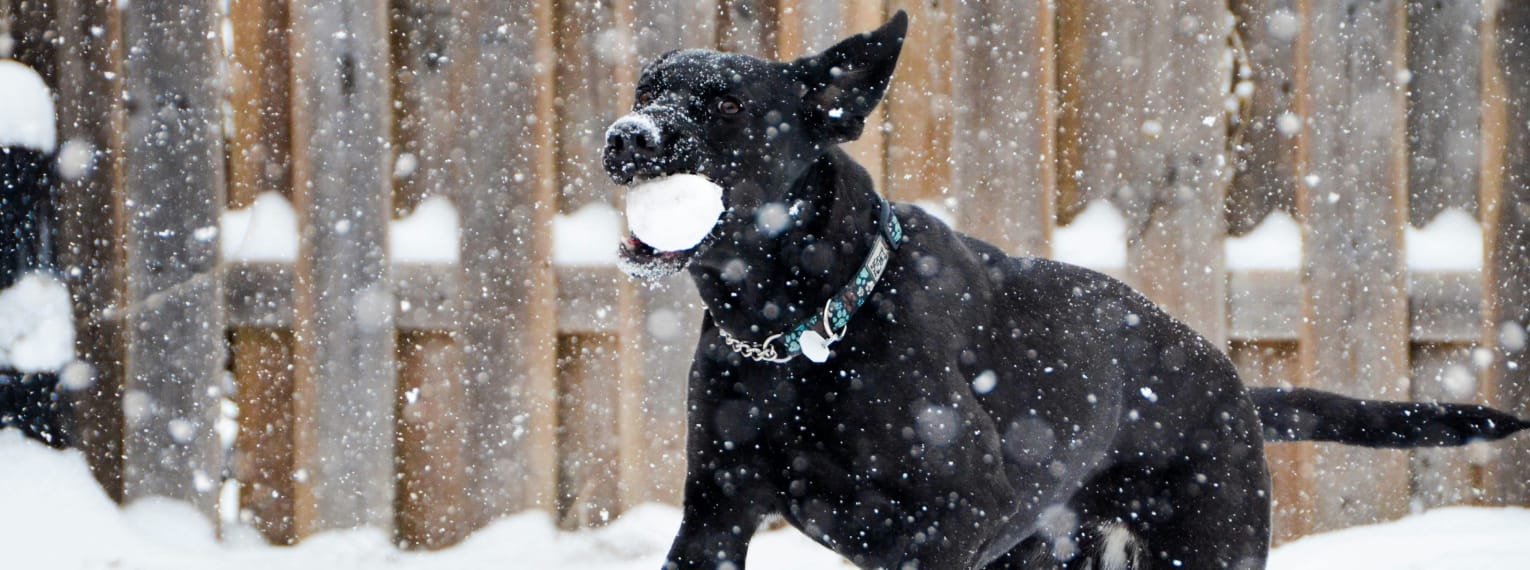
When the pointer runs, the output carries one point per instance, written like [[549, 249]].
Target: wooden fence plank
[[1443, 107], [173, 190], [346, 380], [1275, 364], [88, 126], [747, 26], [919, 100], [422, 58], [1444, 476], [263, 451], [1002, 101], [1266, 168], [1149, 92], [588, 431], [432, 457], [260, 81], [1353, 198], [594, 79], [507, 197], [1506, 204]]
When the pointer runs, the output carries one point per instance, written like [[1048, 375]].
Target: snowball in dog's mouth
[[670, 218]]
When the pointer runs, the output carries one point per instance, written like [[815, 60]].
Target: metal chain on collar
[[761, 351]]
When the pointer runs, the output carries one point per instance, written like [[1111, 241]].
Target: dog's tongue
[[674, 213]]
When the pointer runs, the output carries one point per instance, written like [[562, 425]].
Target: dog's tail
[[1311, 415]]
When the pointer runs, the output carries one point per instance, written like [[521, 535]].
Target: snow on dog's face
[[747, 125]]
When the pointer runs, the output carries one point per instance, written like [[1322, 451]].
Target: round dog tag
[[814, 346]]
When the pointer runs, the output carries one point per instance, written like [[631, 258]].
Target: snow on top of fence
[[36, 325], [589, 236], [26, 117], [265, 231], [429, 234], [1096, 239], [1452, 242], [1275, 244]]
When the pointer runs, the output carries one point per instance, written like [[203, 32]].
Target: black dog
[[911, 397]]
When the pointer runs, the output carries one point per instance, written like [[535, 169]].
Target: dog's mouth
[[671, 219], [643, 261]]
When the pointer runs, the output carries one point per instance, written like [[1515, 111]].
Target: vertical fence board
[[423, 37], [1444, 56], [1266, 167], [260, 81], [1354, 339], [89, 123], [1508, 229], [1275, 364], [1002, 101], [173, 187], [344, 305], [747, 26], [508, 198], [431, 456], [1149, 132], [263, 452], [588, 431], [919, 155], [593, 79], [1443, 476]]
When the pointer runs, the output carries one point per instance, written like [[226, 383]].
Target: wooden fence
[[431, 398]]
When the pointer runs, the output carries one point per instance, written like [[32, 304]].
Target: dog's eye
[[729, 105], [645, 99]]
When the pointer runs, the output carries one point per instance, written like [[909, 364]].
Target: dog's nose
[[632, 142]]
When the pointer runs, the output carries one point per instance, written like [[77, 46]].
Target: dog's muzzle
[[648, 143]]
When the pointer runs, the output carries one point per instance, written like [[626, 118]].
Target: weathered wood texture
[[1001, 94], [1355, 334], [172, 190], [1444, 58], [1275, 364], [1266, 164], [1507, 211], [260, 78], [263, 451], [1445, 476], [344, 307], [1145, 89], [919, 151], [423, 38], [430, 499], [588, 430], [747, 26], [507, 198], [89, 123]]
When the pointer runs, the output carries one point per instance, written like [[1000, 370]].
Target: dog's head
[[750, 125]]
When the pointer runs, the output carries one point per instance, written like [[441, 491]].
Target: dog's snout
[[636, 145]]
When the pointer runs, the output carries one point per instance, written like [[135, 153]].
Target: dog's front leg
[[717, 526]]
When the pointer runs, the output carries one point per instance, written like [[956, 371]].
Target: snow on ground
[[36, 325], [56, 517], [26, 117]]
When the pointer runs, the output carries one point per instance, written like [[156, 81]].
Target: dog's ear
[[842, 86]]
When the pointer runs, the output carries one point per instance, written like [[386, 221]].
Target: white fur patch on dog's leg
[[1118, 548]]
